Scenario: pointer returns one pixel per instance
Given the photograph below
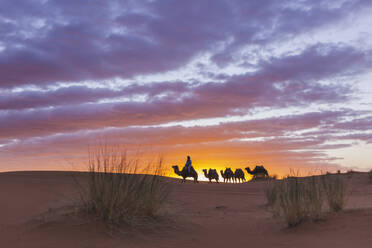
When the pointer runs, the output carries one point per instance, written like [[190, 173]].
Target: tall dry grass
[[314, 198], [271, 193], [119, 192], [335, 191], [296, 199]]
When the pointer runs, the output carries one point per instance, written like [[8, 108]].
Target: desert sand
[[35, 212]]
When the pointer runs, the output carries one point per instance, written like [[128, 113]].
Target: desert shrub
[[291, 202], [117, 192], [271, 193], [335, 191], [313, 197], [295, 199]]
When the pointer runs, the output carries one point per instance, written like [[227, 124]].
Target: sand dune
[[35, 207]]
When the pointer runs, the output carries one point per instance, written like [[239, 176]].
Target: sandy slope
[[33, 214]]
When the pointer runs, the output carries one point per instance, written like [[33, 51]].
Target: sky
[[232, 83]]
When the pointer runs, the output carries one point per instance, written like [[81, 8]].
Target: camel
[[185, 173], [239, 175], [228, 175], [258, 172], [212, 174]]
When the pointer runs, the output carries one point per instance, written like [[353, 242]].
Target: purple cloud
[[92, 41], [234, 59]]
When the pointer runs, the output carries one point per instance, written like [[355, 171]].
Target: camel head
[[248, 170], [176, 169], [205, 172]]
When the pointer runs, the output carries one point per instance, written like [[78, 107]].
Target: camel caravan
[[229, 176]]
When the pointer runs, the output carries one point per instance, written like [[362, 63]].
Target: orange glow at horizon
[[219, 157]]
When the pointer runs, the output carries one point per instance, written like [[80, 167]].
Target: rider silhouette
[[188, 164]]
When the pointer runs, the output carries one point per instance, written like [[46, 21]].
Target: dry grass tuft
[[314, 198], [296, 199], [271, 193], [117, 194], [335, 191]]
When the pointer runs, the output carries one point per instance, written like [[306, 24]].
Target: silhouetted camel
[[212, 174], [239, 175], [185, 173], [258, 172], [228, 175]]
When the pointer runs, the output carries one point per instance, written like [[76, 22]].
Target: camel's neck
[[177, 171], [205, 174]]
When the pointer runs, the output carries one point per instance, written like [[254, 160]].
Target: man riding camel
[[188, 164]]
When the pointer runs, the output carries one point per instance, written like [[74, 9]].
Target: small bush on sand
[[296, 199], [290, 201], [335, 191], [116, 194], [271, 194], [314, 198]]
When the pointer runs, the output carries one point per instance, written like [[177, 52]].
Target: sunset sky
[[286, 84]]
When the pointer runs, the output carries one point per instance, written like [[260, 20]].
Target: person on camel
[[188, 164]]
